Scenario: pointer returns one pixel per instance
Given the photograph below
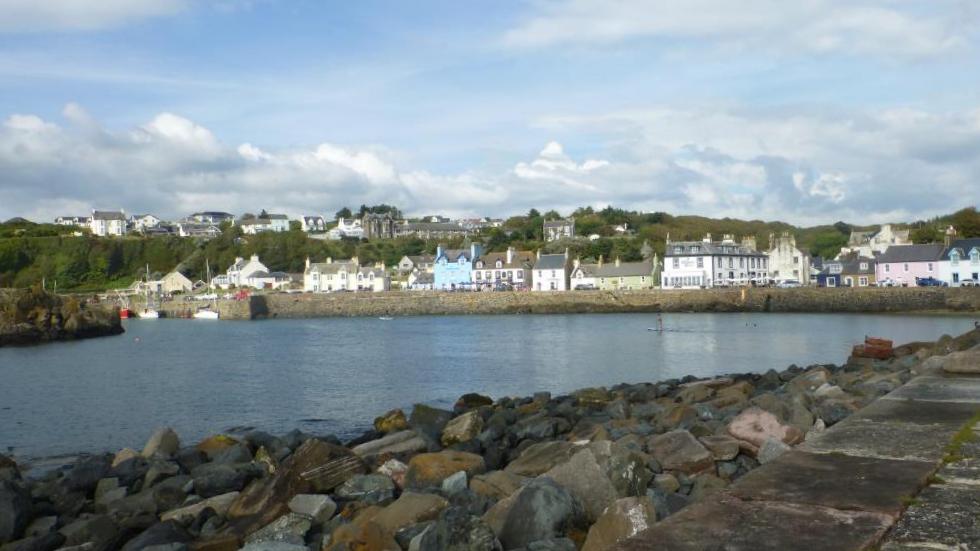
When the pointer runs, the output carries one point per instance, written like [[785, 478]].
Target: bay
[[335, 375]]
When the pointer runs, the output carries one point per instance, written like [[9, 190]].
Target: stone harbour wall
[[395, 303]]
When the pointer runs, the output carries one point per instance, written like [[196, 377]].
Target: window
[[553, 287], [554, 273], [974, 256], [741, 262], [905, 266], [695, 249], [520, 274], [700, 262], [479, 276], [863, 281], [831, 282], [796, 260], [500, 264], [929, 266], [888, 268], [864, 266], [956, 277], [678, 250], [954, 258], [731, 262], [677, 262]]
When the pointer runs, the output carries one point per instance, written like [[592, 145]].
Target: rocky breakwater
[[32, 316], [579, 471]]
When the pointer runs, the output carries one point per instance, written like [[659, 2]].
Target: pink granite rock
[[755, 425]]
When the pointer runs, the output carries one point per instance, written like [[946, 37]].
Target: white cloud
[[803, 168], [876, 27], [56, 15]]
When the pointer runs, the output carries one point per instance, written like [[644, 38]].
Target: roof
[[964, 246], [421, 259], [551, 262], [432, 226], [709, 248], [860, 237], [520, 259], [558, 223], [625, 269], [454, 254], [912, 253], [333, 267], [108, 215], [312, 217], [852, 265], [425, 277]]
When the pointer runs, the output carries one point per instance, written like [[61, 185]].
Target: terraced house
[[613, 276], [961, 262], [329, 276], [510, 268], [707, 263], [453, 268]]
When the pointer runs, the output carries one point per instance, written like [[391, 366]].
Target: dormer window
[[500, 264], [479, 264], [974, 256], [678, 250], [864, 266], [695, 249], [954, 257]]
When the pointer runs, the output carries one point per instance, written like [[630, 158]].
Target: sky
[[809, 112]]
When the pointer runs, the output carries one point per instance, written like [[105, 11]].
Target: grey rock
[[98, 530], [158, 470], [238, 453], [212, 479], [41, 526], [160, 534], [318, 507], [163, 442], [585, 479], [455, 483], [84, 474], [541, 510], [370, 488], [15, 511], [771, 449], [289, 528], [429, 421], [456, 530]]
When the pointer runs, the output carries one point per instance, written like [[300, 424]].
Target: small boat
[[205, 314], [149, 314], [385, 318], [124, 313]]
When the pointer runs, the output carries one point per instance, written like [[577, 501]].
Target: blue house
[[453, 268], [830, 274]]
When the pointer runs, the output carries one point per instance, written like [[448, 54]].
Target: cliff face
[[32, 316]]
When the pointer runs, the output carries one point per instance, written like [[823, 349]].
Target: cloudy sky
[[807, 111]]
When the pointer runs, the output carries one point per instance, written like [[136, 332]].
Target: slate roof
[[453, 254], [557, 223], [714, 248], [521, 259], [551, 262], [912, 253], [333, 267], [963, 245], [108, 215], [625, 269]]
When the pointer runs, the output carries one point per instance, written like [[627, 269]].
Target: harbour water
[[335, 375]]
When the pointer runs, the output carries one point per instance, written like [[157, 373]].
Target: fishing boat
[[385, 318], [209, 312], [148, 312]]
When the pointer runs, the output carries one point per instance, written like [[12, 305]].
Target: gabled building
[[378, 226], [786, 261], [142, 222], [559, 229], [106, 223], [616, 275], [871, 243], [961, 261], [453, 268], [344, 275], [858, 271], [511, 268], [174, 282], [416, 263], [902, 264], [420, 281], [212, 217], [431, 230], [268, 222], [246, 273], [346, 228], [550, 272], [198, 230], [707, 263], [312, 224], [73, 221]]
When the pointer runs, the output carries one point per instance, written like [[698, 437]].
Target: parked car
[[584, 287], [970, 283], [930, 282], [887, 282], [789, 284]]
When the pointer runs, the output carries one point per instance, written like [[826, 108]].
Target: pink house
[[901, 264]]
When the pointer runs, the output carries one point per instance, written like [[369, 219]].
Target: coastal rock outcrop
[[33, 316]]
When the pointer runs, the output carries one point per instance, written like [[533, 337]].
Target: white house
[[269, 222], [872, 243], [143, 222], [960, 262], [250, 273], [559, 229], [346, 227], [194, 229], [707, 263], [786, 261], [73, 221], [174, 282], [108, 223], [212, 217], [344, 275], [550, 272], [511, 267], [311, 224]]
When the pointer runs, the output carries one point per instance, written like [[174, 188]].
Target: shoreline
[[655, 448], [763, 300]]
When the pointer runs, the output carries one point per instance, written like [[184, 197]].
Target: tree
[[294, 225], [533, 213], [344, 213]]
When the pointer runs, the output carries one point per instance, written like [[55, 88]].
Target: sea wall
[[578, 302], [32, 316]]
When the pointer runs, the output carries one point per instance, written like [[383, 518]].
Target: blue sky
[[808, 112]]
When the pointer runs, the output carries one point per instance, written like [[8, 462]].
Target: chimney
[[576, 263], [668, 238], [617, 261], [707, 238], [949, 236], [476, 250], [329, 260], [600, 260], [355, 261], [438, 250], [255, 257], [566, 253], [538, 254], [510, 254], [307, 263]]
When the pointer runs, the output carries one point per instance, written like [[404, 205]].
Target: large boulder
[[456, 530], [369, 488], [541, 457], [623, 519], [496, 484], [85, 474], [463, 428], [410, 508], [722, 448], [163, 442], [160, 534], [290, 528], [212, 479], [586, 480], [393, 421], [967, 361], [215, 445], [220, 504], [427, 470], [470, 401], [316, 467], [406, 441], [679, 450], [99, 531], [317, 507], [15, 511], [428, 421], [541, 510], [755, 425]]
